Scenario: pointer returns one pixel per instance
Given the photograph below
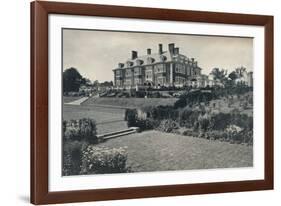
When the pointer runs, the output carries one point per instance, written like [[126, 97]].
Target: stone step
[[118, 133]]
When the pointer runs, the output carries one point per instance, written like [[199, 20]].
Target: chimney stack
[[160, 49], [195, 64], [176, 50], [148, 51], [134, 54], [171, 48]]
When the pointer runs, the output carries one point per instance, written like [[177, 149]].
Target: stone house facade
[[162, 68]]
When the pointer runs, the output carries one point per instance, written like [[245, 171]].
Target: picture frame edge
[[39, 107]]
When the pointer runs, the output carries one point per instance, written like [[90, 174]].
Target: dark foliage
[[102, 160], [131, 117], [81, 130], [72, 80]]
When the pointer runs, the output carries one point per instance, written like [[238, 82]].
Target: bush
[[82, 129], [164, 112], [246, 136], [102, 160], [216, 135], [72, 157], [168, 125], [146, 124], [220, 120], [204, 121], [232, 134], [242, 120], [189, 118], [131, 117], [190, 133]]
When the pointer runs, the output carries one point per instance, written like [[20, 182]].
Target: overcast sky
[[96, 53]]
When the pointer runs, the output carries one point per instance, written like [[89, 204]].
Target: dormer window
[[150, 60], [139, 62], [163, 58], [129, 63]]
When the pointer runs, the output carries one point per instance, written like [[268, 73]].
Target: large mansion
[[165, 68], [162, 68]]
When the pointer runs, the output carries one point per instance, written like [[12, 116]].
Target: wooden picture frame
[[39, 102]]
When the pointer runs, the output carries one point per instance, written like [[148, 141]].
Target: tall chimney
[[176, 50], [148, 51], [160, 49], [195, 63], [134, 54], [171, 48]]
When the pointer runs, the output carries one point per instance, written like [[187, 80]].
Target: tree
[[96, 83], [106, 84], [219, 74], [72, 80], [87, 82], [233, 75], [240, 71]]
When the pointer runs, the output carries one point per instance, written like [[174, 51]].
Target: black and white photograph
[[155, 102]]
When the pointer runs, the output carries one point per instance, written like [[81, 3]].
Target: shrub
[[220, 121], [168, 125], [216, 135], [190, 133], [146, 124], [246, 136], [232, 134], [238, 135], [184, 116], [131, 117], [164, 112], [204, 121], [72, 157], [82, 129], [242, 120], [103, 160]]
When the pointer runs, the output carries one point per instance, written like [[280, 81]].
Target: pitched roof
[[156, 58]]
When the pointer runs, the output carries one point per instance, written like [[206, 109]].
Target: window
[[118, 82], [180, 68], [128, 82], [128, 73], [137, 71], [160, 68], [161, 80]]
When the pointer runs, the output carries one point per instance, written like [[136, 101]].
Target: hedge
[[103, 160]]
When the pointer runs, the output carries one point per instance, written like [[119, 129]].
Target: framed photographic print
[[131, 102]]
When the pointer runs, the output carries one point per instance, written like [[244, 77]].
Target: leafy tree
[[240, 71], [233, 75], [106, 84], [219, 74], [72, 80]]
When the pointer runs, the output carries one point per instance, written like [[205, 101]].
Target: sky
[[96, 53]]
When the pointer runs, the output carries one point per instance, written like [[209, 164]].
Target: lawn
[[107, 119], [130, 102], [157, 151], [69, 99]]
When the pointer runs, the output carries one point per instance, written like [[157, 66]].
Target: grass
[[157, 151], [70, 99], [107, 119], [130, 102]]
